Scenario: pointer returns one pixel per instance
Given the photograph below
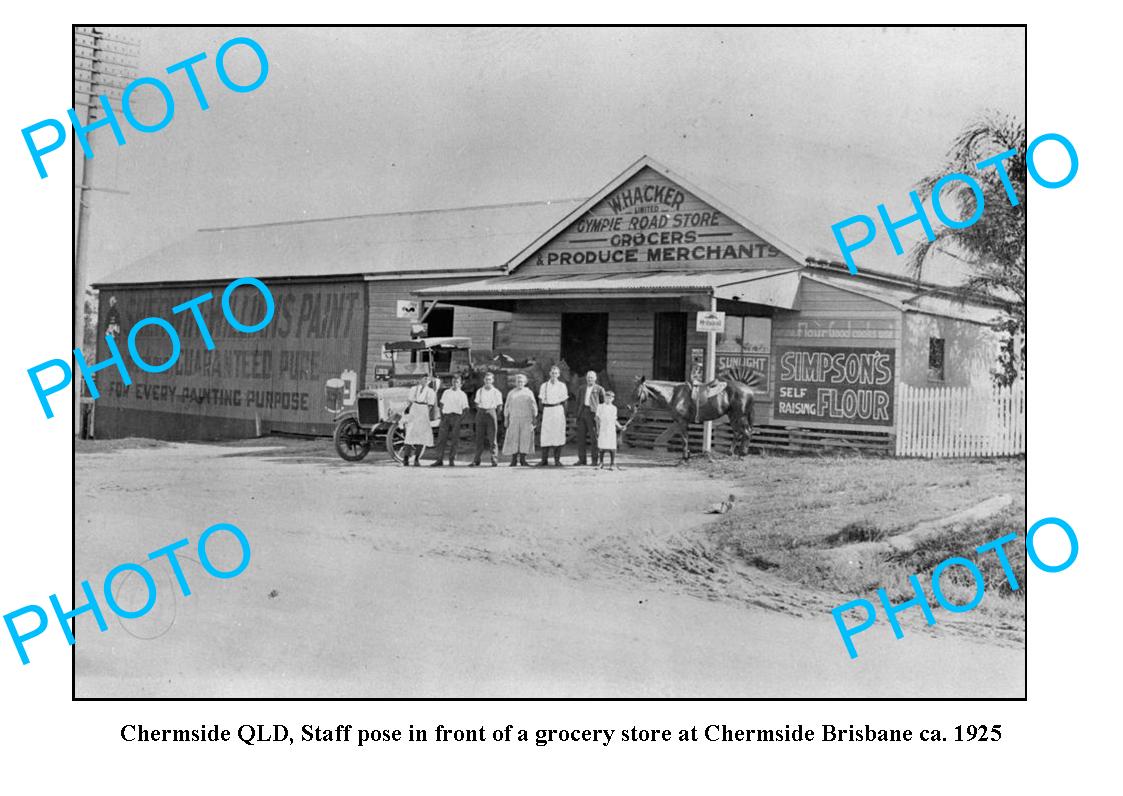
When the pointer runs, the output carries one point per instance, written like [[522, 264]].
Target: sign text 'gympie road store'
[[654, 222]]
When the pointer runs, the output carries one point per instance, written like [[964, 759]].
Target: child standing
[[607, 426]]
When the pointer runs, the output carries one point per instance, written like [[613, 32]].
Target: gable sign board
[[651, 223]]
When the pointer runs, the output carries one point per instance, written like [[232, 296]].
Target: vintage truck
[[372, 417], [366, 418]]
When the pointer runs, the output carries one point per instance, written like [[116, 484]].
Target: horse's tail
[[749, 376]]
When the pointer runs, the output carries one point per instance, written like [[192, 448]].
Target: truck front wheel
[[351, 441]]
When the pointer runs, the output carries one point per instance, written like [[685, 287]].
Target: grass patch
[[961, 542], [860, 531], [817, 522]]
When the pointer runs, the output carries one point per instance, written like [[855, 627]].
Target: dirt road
[[375, 580]]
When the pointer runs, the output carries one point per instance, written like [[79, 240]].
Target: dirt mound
[[111, 445]]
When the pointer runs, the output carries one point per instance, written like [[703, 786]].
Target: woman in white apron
[[552, 395], [419, 434], [519, 413]]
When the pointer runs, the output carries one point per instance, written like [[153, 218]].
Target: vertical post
[[82, 237], [101, 76], [711, 360], [81, 256]]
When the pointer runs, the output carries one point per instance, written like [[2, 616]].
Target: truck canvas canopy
[[430, 342]]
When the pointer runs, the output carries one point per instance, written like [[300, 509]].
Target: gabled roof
[[467, 242], [730, 210], [805, 212], [423, 243]]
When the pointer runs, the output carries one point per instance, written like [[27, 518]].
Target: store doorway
[[669, 361], [584, 341]]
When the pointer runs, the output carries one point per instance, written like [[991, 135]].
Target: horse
[[730, 394]]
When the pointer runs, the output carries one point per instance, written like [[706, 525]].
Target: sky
[[810, 125]]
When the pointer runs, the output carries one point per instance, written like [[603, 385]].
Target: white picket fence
[[961, 421]]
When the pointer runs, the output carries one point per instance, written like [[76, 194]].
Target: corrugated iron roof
[[951, 308], [455, 240], [909, 299], [804, 215], [475, 240], [617, 285], [774, 288]]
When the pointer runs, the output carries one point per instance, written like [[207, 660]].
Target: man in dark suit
[[590, 395]]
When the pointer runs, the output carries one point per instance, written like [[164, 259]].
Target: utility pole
[[102, 65]]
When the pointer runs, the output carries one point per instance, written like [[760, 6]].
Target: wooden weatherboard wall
[[652, 224], [835, 361], [249, 383], [386, 327], [970, 352], [631, 340], [536, 328]]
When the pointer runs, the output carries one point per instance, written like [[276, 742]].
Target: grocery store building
[[611, 283]]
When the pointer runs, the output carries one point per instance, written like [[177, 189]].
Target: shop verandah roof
[[771, 288], [774, 288]]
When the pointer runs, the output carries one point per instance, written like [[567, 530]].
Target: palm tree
[[994, 247]]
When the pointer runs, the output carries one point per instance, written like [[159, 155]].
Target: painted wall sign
[[275, 375], [758, 362], [835, 385], [650, 221], [842, 330]]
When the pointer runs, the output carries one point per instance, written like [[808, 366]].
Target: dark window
[[584, 341], [669, 361], [500, 335], [935, 359], [440, 321]]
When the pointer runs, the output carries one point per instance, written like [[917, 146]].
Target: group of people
[[522, 414]]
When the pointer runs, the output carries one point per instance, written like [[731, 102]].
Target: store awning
[[773, 288]]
